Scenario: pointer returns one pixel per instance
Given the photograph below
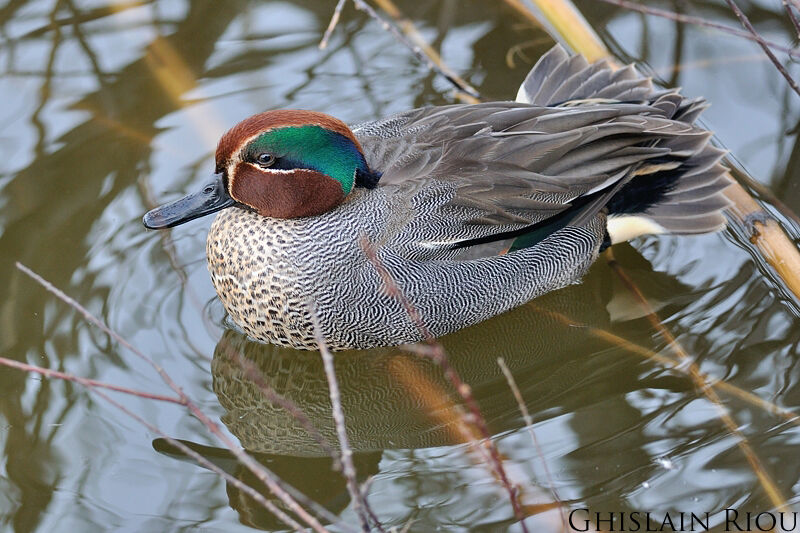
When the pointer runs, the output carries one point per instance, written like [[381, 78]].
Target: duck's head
[[282, 164]]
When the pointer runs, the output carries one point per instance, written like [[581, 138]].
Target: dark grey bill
[[210, 199]]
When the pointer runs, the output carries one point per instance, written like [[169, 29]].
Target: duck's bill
[[211, 198]]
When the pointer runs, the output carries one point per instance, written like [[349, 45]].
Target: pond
[[110, 108]]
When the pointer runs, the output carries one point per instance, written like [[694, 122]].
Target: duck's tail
[[678, 193]]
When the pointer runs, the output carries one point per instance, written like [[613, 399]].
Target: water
[[110, 108]]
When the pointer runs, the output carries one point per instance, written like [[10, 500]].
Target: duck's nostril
[[208, 190]]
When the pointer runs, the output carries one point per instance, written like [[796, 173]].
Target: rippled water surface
[[110, 108]]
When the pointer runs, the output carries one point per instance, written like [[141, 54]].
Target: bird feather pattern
[[575, 128]]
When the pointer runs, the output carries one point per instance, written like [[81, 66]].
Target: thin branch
[[259, 471], [698, 21], [474, 417], [792, 17], [323, 44], [410, 31], [359, 501], [764, 46], [86, 382], [526, 416], [419, 48]]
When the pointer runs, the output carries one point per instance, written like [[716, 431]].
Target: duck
[[471, 209]]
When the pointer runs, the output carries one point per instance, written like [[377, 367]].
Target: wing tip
[[577, 79]]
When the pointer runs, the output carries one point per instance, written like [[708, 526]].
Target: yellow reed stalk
[[766, 233], [568, 24]]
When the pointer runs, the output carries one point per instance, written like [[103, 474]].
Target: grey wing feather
[[575, 128]]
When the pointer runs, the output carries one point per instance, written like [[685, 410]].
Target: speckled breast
[[259, 283]]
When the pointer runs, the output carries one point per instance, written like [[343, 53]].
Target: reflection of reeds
[[280, 489], [567, 23], [705, 387], [470, 423], [257, 496], [724, 386], [252, 373], [526, 416], [176, 79]]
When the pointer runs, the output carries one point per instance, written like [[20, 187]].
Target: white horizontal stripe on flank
[[437, 244]]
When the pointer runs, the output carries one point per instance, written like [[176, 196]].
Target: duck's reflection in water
[[396, 400]]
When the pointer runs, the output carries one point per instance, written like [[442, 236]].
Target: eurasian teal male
[[473, 208]]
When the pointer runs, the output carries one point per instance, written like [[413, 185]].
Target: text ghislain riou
[[734, 520]]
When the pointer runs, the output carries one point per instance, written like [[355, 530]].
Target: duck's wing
[[578, 135]]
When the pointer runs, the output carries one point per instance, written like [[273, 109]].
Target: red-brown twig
[[698, 21], [86, 382], [436, 352], [269, 479], [764, 46], [792, 17], [348, 469]]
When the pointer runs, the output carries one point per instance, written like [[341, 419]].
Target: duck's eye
[[265, 160]]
